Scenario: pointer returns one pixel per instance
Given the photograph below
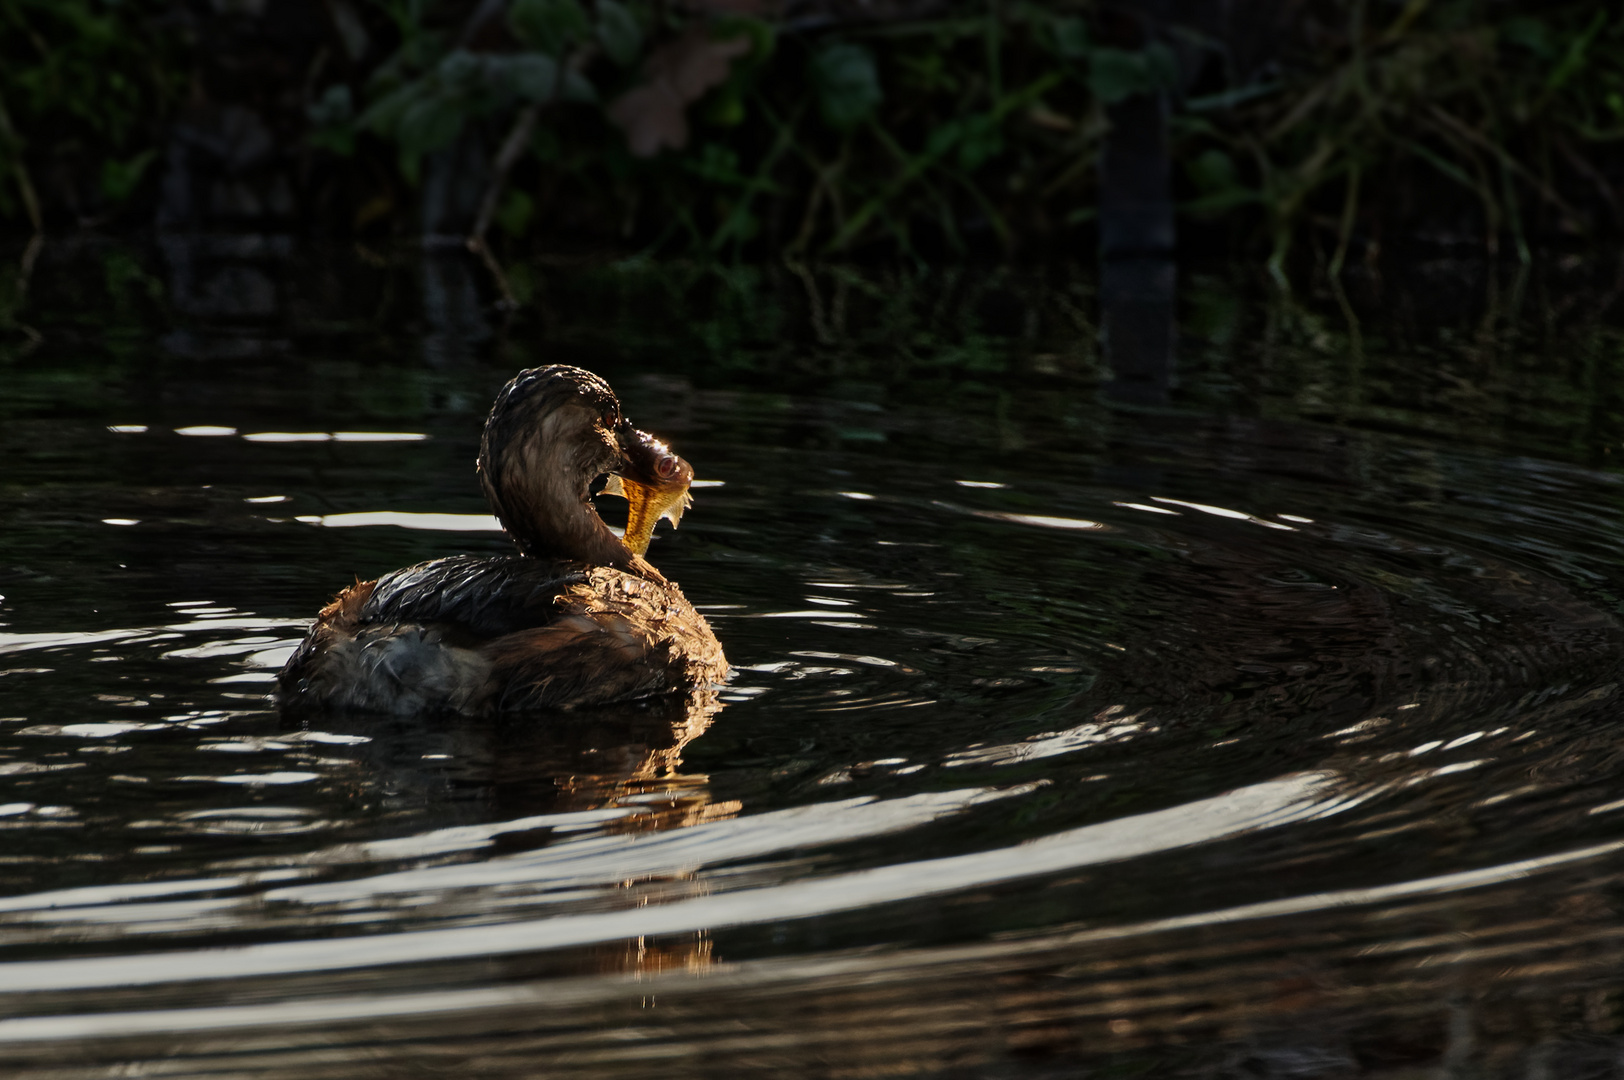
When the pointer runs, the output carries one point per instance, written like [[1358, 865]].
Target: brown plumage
[[576, 618]]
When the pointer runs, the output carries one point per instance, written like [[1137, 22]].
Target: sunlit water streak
[[1256, 807], [444, 1004]]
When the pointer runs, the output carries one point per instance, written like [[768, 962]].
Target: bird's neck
[[552, 517], [548, 513], [582, 537]]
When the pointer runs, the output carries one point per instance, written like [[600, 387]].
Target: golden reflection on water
[[645, 776]]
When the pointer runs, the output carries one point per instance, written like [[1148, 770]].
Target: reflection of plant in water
[[11, 298], [924, 328], [1510, 359], [1456, 348]]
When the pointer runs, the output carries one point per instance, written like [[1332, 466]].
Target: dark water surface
[[1273, 731]]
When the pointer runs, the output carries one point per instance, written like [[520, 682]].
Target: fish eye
[[666, 467]]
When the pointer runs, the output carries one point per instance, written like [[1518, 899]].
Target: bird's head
[[552, 432]]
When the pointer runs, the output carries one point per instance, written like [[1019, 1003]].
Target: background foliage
[[85, 86], [823, 127]]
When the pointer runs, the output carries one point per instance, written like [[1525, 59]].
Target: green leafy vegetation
[[1513, 112], [980, 128], [85, 86], [742, 128]]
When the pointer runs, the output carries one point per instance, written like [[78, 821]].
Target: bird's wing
[[483, 596]]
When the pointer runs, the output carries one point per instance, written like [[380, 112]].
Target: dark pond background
[[1256, 716]]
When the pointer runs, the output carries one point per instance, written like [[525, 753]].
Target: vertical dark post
[[1137, 273], [1136, 188], [454, 181]]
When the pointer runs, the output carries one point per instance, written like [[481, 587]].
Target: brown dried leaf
[[675, 75], [651, 117], [757, 8]]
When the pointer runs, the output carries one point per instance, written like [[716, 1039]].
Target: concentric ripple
[[1217, 729]]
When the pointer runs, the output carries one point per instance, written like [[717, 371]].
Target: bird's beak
[[648, 495], [645, 506]]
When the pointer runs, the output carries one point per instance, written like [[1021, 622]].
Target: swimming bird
[[577, 617]]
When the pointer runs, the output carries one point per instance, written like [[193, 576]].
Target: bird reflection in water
[[625, 759], [524, 784]]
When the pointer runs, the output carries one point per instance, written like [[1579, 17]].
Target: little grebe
[[578, 617]]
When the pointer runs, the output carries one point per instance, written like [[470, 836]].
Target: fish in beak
[[653, 481]]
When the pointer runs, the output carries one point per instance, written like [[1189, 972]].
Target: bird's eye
[[666, 467]]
